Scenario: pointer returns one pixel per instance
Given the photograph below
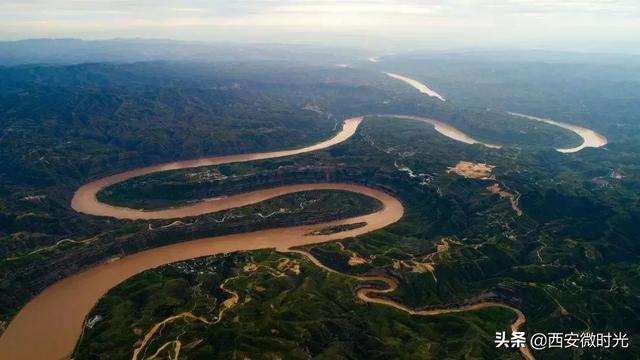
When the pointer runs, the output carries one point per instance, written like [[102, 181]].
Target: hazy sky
[[603, 25]]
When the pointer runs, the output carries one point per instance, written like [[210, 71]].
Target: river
[[49, 325], [418, 85]]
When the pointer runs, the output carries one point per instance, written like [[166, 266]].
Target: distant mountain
[[74, 51]]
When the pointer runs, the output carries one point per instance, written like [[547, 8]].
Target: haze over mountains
[[76, 51]]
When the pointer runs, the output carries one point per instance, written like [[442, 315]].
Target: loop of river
[[49, 325]]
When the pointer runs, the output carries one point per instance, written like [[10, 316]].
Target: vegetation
[[569, 263], [286, 308]]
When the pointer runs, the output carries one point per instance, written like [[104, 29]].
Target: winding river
[[589, 137], [49, 325]]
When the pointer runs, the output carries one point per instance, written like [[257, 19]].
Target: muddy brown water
[[49, 325]]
